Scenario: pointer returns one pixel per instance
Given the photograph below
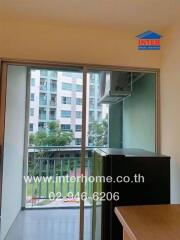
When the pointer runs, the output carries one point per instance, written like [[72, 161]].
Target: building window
[[65, 114], [78, 114], [32, 82], [31, 112], [66, 100], [32, 97], [79, 101], [43, 72], [53, 100], [53, 85], [42, 98], [78, 128], [42, 113], [66, 86], [52, 114], [78, 141], [53, 74], [43, 84], [42, 126], [78, 88], [66, 127], [31, 127]]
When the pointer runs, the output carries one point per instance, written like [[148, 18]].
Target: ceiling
[[121, 14]]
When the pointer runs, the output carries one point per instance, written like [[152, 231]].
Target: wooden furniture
[[127, 162], [155, 222]]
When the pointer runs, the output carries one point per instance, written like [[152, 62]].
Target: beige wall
[[70, 44], [101, 46], [170, 106], [13, 147]]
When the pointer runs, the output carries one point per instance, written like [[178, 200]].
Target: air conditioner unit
[[115, 86]]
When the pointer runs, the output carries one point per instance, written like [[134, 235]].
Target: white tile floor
[[50, 224]]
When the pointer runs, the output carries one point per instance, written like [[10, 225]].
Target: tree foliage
[[98, 133], [53, 137]]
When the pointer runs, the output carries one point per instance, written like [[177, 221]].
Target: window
[[31, 127], [78, 141], [53, 100], [42, 126], [78, 88], [31, 112], [43, 84], [32, 97], [79, 101], [66, 100], [53, 86], [78, 128], [66, 86], [32, 81], [52, 114], [43, 72], [78, 114], [65, 127], [53, 74], [65, 114], [42, 99], [42, 113]]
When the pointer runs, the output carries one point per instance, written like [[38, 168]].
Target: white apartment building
[[57, 95]]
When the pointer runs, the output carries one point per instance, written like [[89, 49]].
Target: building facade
[[57, 96]]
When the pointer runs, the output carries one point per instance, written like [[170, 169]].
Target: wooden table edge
[[126, 228]]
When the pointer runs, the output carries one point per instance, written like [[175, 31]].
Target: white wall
[[13, 146], [170, 106]]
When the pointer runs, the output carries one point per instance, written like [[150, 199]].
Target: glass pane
[[55, 123], [96, 136]]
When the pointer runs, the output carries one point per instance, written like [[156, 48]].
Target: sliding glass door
[[55, 117]]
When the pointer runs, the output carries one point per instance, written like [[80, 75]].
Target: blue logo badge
[[149, 41]]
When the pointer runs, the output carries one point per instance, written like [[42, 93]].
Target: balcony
[[49, 170], [52, 116], [42, 102], [43, 88], [42, 116], [53, 87], [53, 103]]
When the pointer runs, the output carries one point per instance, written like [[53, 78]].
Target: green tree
[[98, 133], [53, 137]]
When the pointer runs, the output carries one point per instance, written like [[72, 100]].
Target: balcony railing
[[53, 88], [53, 103], [42, 102], [42, 116], [52, 117], [48, 168], [43, 87]]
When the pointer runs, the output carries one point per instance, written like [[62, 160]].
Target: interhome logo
[[149, 41]]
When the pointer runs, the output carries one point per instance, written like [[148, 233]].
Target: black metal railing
[[51, 169]]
